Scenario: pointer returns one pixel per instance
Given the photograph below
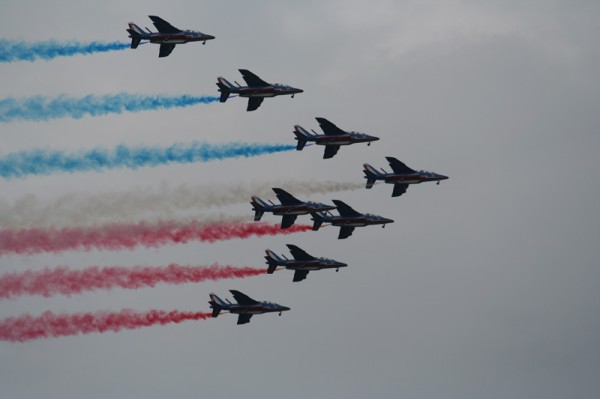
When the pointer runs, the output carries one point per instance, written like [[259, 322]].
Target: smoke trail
[[44, 162], [43, 108], [128, 236], [48, 324], [142, 202], [13, 50], [65, 281]]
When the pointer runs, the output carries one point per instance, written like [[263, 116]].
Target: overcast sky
[[486, 286]]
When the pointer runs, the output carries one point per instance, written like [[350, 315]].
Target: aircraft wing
[[299, 254], [165, 49], [300, 275], [244, 318], [330, 151], [252, 80], [329, 128], [345, 209], [398, 166], [286, 198], [243, 299], [162, 25], [287, 221], [399, 189], [345, 232], [254, 103]]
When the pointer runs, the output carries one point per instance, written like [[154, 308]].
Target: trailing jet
[[401, 176], [332, 138], [256, 91], [167, 36], [290, 207], [347, 220], [245, 307], [302, 262]]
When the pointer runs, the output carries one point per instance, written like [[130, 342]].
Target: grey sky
[[485, 286]]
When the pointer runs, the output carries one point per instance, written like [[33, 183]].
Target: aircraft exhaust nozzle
[[318, 221]]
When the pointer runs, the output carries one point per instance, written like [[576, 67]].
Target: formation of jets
[[290, 207]]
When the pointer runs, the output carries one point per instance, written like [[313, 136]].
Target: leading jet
[[167, 36], [302, 262], [332, 139], [401, 176], [290, 207], [256, 91], [347, 220], [245, 307]]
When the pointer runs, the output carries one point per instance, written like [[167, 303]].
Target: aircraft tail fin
[[136, 34], [371, 174], [302, 136], [216, 304], [272, 260], [259, 207], [317, 219], [226, 88]]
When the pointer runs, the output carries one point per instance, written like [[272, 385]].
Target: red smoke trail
[[128, 236], [65, 281], [27, 327]]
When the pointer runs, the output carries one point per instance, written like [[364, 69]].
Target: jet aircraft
[[245, 307], [256, 91], [290, 207], [401, 176], [347, 220], [167, 36], [332, 138], [302, 262]]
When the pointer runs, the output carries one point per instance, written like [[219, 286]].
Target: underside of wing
[[330, 151], [162, 25], [345, 209], [299, 254], [251, 79], [399, 189], [399, 166], [287, 221], [286, 198], [300, 275], [244, 318], [165, 49], [242, 299], [345, 232], [329, 128], [254, 103]]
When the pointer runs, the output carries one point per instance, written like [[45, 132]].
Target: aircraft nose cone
[[284, 308], [341, 264], [386, 221], [298, 91], [209, 37], [374, 138], [442, 177]]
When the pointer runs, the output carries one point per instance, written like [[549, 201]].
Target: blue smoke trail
[[13, 50], [45, 162], [42, 108]]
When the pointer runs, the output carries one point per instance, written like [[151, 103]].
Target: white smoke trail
[[183, 202]]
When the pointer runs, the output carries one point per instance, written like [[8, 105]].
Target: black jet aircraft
[[401, 176], [256, 91], [290, 207], [167, 36], [245, 307], [332, 138], [302, 262], [347, 220]]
